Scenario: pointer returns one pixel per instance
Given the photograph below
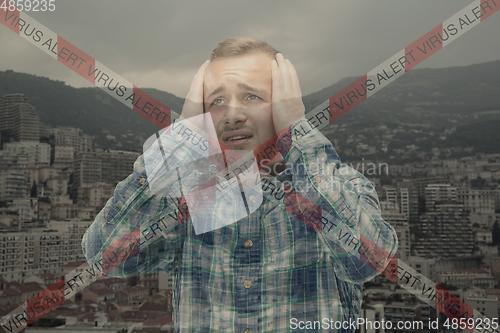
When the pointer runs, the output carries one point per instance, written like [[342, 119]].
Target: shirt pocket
[[291, 245]]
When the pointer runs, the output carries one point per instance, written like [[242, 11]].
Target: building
[[439, 193], [64, 154], [150, 281], [87, 170], [72, 136], [404, 202], [395, 305], [110, 283], [26, 208], [497, 197], [479, 300], [43, 279], [466, 278], [19, 119], [444, 232], [165, 281], [99, 295], [10, 160], [400, 224], [477, 201], [48, 172], [95, 194], [482, 236], [68, 211], [415, 316], [117, 165], [13, 184], [424, 266], [38, 154], [109, 167], [371, 314], [391, 194], [40, 250], [409, 198], [59, 186]]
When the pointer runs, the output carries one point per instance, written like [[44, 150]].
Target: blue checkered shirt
[[294, 264]]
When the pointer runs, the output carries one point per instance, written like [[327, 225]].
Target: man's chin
[[232, 154]]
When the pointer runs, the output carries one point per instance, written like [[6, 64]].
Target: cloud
[[162, 44]]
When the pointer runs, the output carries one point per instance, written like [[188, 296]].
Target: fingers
[[195, 94], [193, 105], [277, 80], [286, 76], [285, 73], [286, 95], [295, 79]]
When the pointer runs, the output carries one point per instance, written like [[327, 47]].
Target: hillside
[[90, 109], [453, 110]]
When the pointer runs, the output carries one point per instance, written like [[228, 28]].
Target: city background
[[429, 142]]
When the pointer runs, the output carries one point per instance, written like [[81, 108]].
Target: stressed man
[[286, 252]]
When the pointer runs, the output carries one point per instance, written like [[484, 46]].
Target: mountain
[[449, 110], [452, 111], [90, 109]]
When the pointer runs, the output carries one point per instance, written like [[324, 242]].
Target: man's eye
[[253, 97], [217, 101]]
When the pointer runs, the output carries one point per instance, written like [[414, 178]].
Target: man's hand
[[193, 105], [286, 95]]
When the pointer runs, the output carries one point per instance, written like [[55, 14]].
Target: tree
[[34, 190], [496, 233], [478, 183]]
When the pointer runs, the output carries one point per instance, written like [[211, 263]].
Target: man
[[296, 260]]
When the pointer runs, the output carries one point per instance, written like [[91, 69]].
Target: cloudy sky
[[161, 44]]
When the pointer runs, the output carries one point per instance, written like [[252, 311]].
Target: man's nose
[[235, 113]]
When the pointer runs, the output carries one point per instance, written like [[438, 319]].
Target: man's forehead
[[243, 86], [250, 63], [249, 72]]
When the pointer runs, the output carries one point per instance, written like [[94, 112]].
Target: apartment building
[[19, 119], [72, 136], [40, 250], [444, 232], [477, 201]]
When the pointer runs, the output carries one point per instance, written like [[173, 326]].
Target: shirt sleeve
[[346, 211], [142, 227]]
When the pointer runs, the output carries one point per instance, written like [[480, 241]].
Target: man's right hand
[[193, 105]]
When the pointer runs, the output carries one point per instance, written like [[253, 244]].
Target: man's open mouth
[[238, 137]]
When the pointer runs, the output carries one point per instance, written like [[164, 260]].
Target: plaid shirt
[[295, 263]]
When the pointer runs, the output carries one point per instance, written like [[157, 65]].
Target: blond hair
[[237, 46]]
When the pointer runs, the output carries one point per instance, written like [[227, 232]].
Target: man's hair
[[238, 46]]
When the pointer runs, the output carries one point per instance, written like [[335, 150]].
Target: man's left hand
[[286, 95]]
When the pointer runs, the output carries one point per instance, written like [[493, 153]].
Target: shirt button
[[178, 137], [252, 199], [142, 181], [248, 243], [317, 180], [294, 138], [247, 284]]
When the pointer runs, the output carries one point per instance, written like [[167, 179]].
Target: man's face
[[237, 93]]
